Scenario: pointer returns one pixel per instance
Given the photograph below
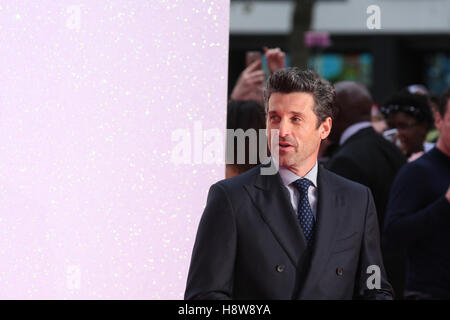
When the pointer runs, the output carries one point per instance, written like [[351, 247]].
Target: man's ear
[[437, 120], [325, 128]]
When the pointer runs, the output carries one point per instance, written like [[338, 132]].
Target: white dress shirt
[[351, 130], [288, 177]]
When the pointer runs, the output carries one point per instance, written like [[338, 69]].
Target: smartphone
[[251, 56]]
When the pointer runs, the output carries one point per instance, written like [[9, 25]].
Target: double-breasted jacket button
[[280, 267], [339, 271]]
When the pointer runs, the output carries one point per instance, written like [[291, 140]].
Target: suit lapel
[[272, 201], [327, 221]]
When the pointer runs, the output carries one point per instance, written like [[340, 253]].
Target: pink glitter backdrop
[[91, 206]]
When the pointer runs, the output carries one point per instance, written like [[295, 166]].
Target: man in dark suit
[[368, 158], [364, 155], [302, 233]]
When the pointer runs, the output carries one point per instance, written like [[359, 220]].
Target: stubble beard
[[297, 158], [291, 159]]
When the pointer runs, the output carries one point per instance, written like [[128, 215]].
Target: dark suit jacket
[[250, 245], [369, 159]]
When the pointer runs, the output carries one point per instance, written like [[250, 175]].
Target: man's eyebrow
[[295, 113]]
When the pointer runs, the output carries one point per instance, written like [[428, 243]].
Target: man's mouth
[[284, 145]]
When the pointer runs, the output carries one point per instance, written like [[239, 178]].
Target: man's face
[[443, 125], [299, 137]]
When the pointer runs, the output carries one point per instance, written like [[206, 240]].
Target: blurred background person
[[363, 155], [366, 157], [410, 114], [418, 215], [433, 101], [244, 115]]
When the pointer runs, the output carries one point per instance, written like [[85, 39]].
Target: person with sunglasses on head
[[410, 114]]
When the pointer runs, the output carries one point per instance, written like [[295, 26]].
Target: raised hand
[[276, 59], [250, 83]]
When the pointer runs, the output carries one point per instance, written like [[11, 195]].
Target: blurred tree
[[301, 22]]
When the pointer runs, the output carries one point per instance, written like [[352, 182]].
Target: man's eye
[[273, 118], [296, 119]]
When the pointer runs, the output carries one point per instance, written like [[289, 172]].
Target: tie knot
[[302, 185]]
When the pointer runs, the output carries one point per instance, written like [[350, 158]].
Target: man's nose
[[285, 128]]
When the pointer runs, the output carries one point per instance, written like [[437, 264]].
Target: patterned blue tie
[[304, 212]]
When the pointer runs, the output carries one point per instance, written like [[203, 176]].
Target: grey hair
[[290, 80]]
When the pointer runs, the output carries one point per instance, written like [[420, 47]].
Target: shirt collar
[[287, 176], [354, 128]]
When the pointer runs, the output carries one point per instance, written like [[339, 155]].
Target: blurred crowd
[[399, 148]]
